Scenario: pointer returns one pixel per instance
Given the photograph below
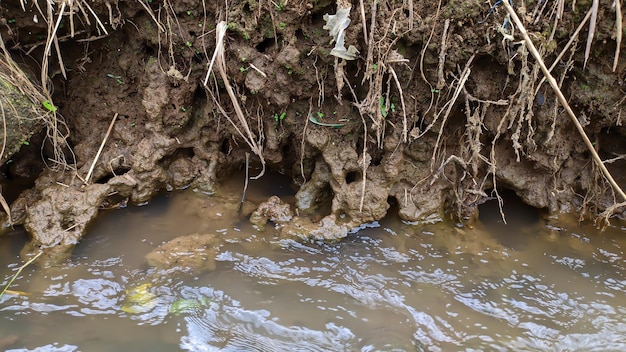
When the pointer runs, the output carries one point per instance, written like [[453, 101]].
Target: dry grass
[[242, 128], [14, 76], [18, 272], [95, 159]]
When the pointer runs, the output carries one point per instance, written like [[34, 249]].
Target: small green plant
[[12, 21], [282, 25], [280, 118], [48, 105], [183, 109], [243, 69], [320, 114], [374, 67], [385, 107], [188, 44], [189, 13], [133, 124], [280, 5], [26, 143]]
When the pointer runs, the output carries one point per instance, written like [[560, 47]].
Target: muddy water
[[391, 286]]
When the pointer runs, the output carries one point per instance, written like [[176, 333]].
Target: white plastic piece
[[336, 25]]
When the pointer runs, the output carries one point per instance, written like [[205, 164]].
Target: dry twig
[[104, 140]]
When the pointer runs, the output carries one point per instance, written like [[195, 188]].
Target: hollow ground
[[438, 105]]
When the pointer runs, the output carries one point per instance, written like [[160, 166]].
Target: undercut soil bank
[[432, 107]]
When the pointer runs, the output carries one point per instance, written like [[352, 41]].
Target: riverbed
[[390, 286]]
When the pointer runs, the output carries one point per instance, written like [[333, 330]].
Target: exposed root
[[618, 31], [564, 102], [442, 55], [592, 29], [219, 60], [459, 88]]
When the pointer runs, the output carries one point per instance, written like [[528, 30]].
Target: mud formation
[[440, 107]]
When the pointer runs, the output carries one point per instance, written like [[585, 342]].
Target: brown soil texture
[[437, 111]]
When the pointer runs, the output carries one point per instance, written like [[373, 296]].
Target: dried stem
[[104, 140]]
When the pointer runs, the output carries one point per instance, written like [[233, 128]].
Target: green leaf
[[48, 105]]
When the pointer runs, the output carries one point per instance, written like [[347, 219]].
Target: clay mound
[[192, 252]]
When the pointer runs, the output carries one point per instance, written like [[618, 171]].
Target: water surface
[[391, 286]]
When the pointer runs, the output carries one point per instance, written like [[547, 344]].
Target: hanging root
[[464, 76], [220, 62], [618, 31], [553, 83]]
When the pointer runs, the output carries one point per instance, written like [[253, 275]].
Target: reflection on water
[[389, 287]]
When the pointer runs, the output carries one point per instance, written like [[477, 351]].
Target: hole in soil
[[392, 216], [246, 8], [183, 153], [225, 147], [264, 45], [300, 35], [377, 157], [192, 33], [117, 172], [324, 202], [353, 176], [517, 213], [359, 144], [148, 50], [199, 97], [288, 153]]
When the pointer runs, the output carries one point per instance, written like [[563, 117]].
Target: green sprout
[[12, 21], [48, 105], [385, 107], [243, 69], [282, 25], [280, 117], [26, 143], [183, 109], [189, 13], [320, 114]]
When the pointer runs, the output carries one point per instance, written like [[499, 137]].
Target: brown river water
[[391, 286]]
